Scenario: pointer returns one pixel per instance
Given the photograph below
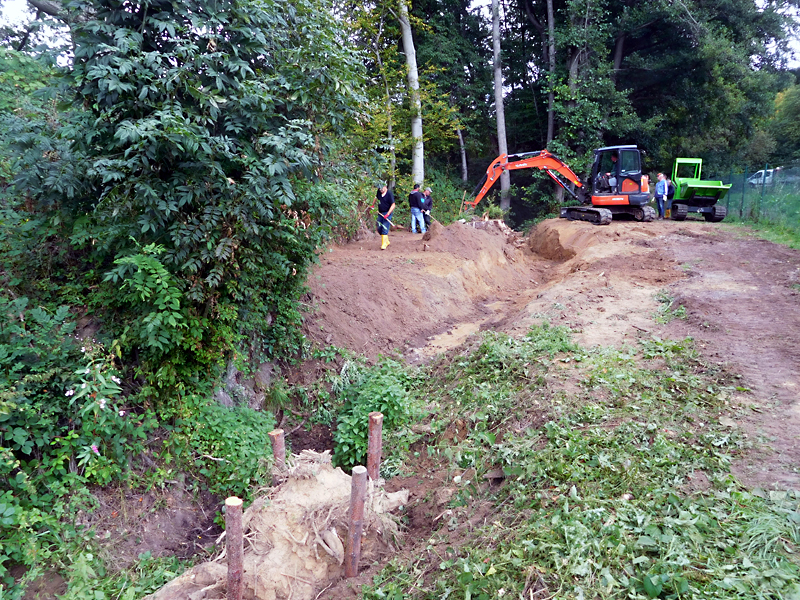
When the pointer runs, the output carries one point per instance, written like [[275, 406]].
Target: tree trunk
[[619, 47], [418, 153], [463, 150], [54, 9], [389, 132], [505, 179], [551, 57]]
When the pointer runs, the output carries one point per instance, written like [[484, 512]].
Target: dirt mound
[[562, 240], [467, 240], [294, 537], [434, 231], [374, 301]]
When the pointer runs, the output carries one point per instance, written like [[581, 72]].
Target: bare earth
[[423, 296]]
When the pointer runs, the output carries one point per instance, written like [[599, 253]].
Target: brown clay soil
[[425, 295]]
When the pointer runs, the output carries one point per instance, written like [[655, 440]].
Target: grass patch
[[667, 311], [596, 501]]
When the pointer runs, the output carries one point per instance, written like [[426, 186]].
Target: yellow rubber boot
[[384, 241]]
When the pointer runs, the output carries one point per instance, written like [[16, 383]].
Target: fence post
[[278, 448], [234, 547], [728, 196], [744, 187], [763, 186], [358, 493], [374, 445]]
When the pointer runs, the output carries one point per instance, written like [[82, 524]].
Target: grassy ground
[[615, 479], [774, 217]]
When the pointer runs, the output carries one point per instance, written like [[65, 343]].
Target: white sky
[[14, 11]]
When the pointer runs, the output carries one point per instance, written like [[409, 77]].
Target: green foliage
[[154, 294], [596, 500], [386, 388], [783, 124], [226, 447], [89, 577], [192, 162], [62, 427]]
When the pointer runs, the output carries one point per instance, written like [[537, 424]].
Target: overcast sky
[[15, 11]]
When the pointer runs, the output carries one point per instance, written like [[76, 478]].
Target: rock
[[263, 375], [444, 495]]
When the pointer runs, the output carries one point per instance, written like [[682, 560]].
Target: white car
[[762, 177]]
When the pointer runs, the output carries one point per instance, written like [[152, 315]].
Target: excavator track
[[648, 214], [717, 214], [679, 212], [598, 216]]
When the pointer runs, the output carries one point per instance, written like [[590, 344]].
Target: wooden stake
[[358, 493], [374, 445], [234, 547], [278, 448]]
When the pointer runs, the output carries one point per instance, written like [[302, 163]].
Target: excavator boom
[[544, 160]]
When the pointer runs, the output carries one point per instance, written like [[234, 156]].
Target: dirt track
[[421, 296]]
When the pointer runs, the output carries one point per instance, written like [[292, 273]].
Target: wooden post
[[278, 448], [234, 547], [374, 445], [358, 493]]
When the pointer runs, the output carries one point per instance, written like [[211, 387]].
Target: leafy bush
[[229, 447], [61, 428], [385, 388]]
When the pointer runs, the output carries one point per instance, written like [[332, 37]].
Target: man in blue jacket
[[661, 194]]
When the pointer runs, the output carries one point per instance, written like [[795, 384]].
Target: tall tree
[[418, 151], [453, 52], [505, 179]]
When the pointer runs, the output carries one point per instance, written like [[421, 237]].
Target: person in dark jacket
[[427, 205], [415, 199], [385, 200]]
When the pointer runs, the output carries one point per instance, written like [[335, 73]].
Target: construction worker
[[427, 205], [662, 189], [415, 203], [385, 200], [613, 175]]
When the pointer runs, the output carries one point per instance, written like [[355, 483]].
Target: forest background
[[169, 171]]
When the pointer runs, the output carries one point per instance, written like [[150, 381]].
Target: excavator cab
[[618, 183]]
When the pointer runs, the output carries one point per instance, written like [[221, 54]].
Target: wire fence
[[766, 194]]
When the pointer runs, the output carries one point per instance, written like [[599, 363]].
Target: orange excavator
[[618, 186]]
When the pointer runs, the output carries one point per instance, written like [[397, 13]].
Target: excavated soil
[[424, 295]]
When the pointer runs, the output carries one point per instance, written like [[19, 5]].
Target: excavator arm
[[551, 164]]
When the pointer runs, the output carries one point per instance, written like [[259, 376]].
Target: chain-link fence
[[765, 194]]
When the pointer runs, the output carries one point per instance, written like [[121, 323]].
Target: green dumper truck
[[692, 194]]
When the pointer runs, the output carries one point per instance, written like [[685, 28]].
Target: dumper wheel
[[679, 212], [717, 213]]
